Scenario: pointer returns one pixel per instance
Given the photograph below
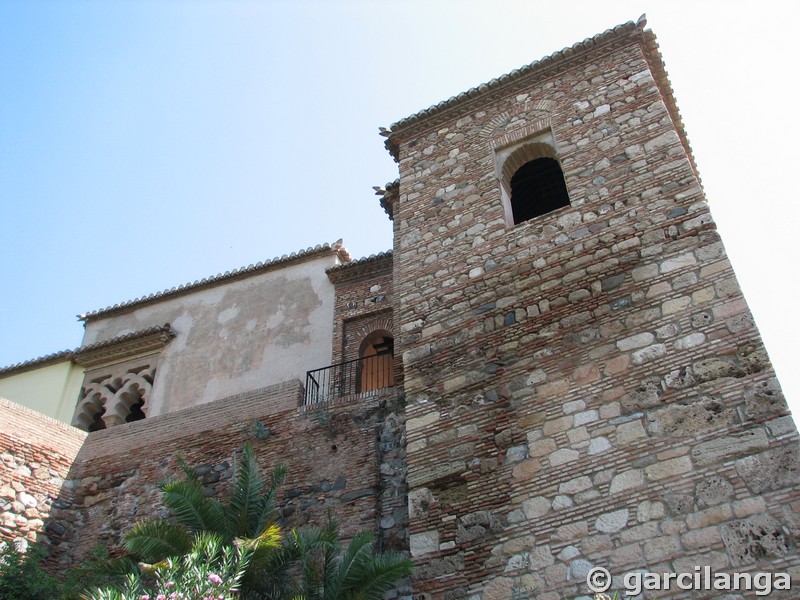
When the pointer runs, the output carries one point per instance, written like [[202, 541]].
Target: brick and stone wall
[[347, 459], [587, 388], [36, 457], [363, 303]]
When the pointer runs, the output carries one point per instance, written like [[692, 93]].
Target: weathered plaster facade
[[255, 331], [49, 387]]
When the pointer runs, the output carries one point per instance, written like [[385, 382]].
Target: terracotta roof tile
[[35, 363], [206, 282], [498, 82]]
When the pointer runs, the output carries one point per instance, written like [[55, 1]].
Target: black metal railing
[[358, 376]]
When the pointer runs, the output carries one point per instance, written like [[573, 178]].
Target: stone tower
[[585, 385]]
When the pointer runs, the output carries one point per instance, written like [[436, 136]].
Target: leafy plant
[[22, 576], [210, 570], [248, 512], [309, 563], [323, 569]]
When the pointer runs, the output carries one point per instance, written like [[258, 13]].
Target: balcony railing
[[359, 376]]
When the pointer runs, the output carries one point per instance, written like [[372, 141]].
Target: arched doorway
[[376, 370]]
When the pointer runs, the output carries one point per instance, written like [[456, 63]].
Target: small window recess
[[531, 179]]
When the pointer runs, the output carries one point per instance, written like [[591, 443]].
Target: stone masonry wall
[[587, 388], [342, 459], [36, 453]]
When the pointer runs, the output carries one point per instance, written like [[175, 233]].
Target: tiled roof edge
[[207, 282], [71, 355], [358, 267], [35, 363], [657, 67], [388, 194], [499, 82], [127, 337]]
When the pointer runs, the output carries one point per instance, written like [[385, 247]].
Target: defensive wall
[[587, 387]]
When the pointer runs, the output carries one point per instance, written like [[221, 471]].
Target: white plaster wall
[[236, 337], [52, 390]]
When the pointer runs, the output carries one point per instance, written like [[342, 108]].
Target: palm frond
[[269, 538], [192, 508], [359, 550], [372, 575], [265, 512], [157, 539], [245, 494]]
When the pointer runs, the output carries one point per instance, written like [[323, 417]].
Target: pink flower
[[215, 579], [161, 597], [144, 597]]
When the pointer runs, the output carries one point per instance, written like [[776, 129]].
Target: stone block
[[720, 449], [639, 340], [557, 425], [687, 420], [626, 480], [536, 507], [573, 486], [669, 468], [709, 516], [649, 510], [771, 470], [422, 421], [571, 531], [598, 445], [661, 548], [764, 399], [629, 432], [649, 353], [754, 539], [713, 490], [563, 456], [541, 557], [424, 543], [613, 521]]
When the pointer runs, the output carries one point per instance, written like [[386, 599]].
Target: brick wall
[[36, 455], [108, 480], [363, 303], [587, 388]]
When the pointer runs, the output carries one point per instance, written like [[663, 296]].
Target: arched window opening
[[97, 423], [537, 188], [136, 414], [377, 365]]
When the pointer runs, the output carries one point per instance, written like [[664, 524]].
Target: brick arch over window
[[526, 154], [356, 331], [532, 181]]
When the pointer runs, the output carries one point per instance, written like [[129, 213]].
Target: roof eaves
[[477, 93], [136, 343], [363, 266], [36, 363], [221, 278]]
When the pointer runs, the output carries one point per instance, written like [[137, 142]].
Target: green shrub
[[22, 576]]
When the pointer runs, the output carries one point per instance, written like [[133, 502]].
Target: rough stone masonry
[[585, 388]]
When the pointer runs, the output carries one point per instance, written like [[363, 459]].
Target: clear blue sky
[[145, 144]]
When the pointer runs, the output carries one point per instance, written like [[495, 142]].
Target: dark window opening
[[136, 414], [97, 423], [537, 188]]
